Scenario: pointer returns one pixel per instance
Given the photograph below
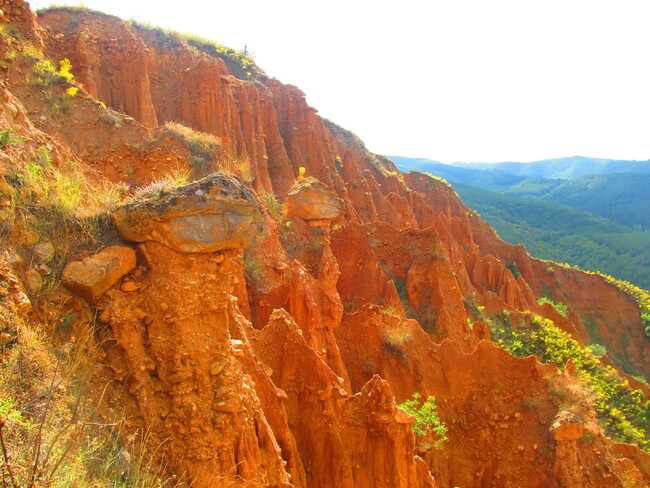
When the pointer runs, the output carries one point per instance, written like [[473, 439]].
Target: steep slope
[[580, 238], [279, 362], [563, 234], [611, 189]]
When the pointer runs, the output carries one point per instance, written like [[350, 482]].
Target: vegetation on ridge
[[239, 62], [623, 412]]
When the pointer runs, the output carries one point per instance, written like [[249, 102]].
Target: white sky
[[452, 80]]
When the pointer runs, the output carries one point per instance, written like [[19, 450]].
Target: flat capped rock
[[94, 275], [212, 214], [311, 199]]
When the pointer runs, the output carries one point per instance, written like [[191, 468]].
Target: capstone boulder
[[212, 214], [310, 199]]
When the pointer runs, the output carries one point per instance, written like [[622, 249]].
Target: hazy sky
[[452, 80]]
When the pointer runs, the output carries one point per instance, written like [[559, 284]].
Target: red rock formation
[[296, 400], [109, 59], [18, 13], [355, 431], [183, 372]]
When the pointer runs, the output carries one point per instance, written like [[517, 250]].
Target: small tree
[[428, 423]]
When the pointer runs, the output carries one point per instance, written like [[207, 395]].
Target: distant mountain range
[[614, 189], [558, 168], [564, 168], [594, 213]]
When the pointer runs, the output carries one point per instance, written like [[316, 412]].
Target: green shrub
[[272, 204], [204, 147], [560, 307], [597, 350], [513, 268], [620, 409], [640, 296], [239, 62], [252, 266], [46, 74], [427, 421], [8, 139]]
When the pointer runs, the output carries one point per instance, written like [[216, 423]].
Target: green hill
[[563, 168], [616, 196], [564, 234]]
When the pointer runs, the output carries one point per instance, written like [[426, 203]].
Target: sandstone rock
[[568, 427], [310, 199], [212, 214], [13, 258], [33, 281], [403, 417], [42, 269], [94, 275], [43, 252], [271, 126], [29, 237], [130, 286], [231, 405]]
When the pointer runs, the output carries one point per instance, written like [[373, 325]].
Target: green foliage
[[590, 242], [438, 178], [513, 268], [620, 197], [346, 134], [560, 307], [252, 266], [46, 186], [620, 409], [597, 350], [51, 435], [272, 204], [55, 202], [616, 191], [8, 139], [239, 62], [396, 336], [428, 423], [639, 295], [390, 310], [46, 74]]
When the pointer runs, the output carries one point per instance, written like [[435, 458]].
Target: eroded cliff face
[[281, 364]]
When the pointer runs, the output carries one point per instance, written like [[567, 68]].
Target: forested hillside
[[564, 234], [600, 222]]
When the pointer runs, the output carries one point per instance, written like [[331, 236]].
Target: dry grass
[[397, 335], [52, 432], [206, 148]]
